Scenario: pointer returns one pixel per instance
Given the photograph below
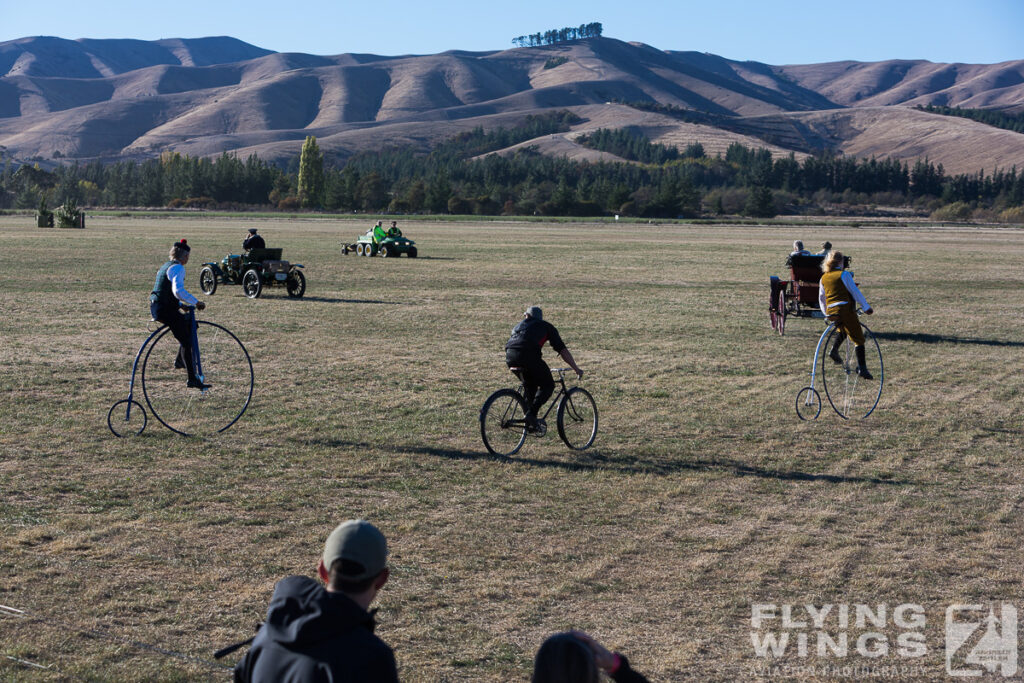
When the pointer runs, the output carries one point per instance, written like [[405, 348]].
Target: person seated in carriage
[[253, 241], [838, 298], [798, 250]]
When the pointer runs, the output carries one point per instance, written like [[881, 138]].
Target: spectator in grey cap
[[325, 633], [523, 351], [825, 248]]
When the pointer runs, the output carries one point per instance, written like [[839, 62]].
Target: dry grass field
[[704, 494]]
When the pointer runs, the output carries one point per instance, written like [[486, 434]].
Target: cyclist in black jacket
[[523, 350]]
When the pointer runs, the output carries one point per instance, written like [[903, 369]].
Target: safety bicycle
[[849, 394], [220, 361], [503, 417]]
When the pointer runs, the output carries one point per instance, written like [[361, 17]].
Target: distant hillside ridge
[[131, 99]]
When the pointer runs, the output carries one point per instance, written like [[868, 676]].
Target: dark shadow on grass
[[999, 430], [595, 461], [329, 300], [437, 258], [925, 338]]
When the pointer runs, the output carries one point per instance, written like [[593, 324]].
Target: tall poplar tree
[[311, 175]]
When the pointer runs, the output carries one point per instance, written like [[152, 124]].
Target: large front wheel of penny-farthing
[[577, 419], [503, 422], [226, 367], [849, 394]]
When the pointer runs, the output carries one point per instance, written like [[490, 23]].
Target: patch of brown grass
[[703, 494]]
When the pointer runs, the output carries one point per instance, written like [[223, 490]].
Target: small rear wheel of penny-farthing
[[126, 418], [808, 403]]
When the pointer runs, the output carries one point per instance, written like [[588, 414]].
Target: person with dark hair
[[325, 633], [575, 657], [825, 248], [838, 298], [523, 350], [254, 241], [165, 301]]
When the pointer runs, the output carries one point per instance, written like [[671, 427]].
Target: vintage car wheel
[[412, 252], [359, 249], [207, 281], [368, 250], [296, 283], [384, 252], [252, 284]]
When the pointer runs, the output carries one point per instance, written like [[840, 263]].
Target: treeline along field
[[703, 494], [461, 176]]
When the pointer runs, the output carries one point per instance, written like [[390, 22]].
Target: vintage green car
[[377, 240], [258, 269]]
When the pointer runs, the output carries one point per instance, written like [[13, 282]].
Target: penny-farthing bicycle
[[220, 361], [849, 394]]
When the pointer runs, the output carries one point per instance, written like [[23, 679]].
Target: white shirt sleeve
[[851, 287], [821, 298], [176, 274]]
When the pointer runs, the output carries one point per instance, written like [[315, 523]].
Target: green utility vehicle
[[377, 240], [258, 269]]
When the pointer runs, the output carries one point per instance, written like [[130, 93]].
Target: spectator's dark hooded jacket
[[313, 635]]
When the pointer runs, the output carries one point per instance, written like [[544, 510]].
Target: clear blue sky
[[770, 31]]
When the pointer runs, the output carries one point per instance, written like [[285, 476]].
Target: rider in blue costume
[[168, 295]]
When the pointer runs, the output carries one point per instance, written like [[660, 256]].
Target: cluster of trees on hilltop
[[998, 119], [461, 177], [560, 35], [633, 145]]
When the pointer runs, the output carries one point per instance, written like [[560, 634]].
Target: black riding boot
[[862, 366], [834, 353]]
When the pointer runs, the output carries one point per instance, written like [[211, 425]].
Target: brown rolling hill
[[116, 99]]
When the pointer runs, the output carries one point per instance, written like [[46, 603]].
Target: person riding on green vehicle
[[385, 242]]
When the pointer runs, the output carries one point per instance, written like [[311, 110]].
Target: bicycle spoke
[[851, 396]]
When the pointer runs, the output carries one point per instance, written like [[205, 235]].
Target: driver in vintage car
[[253, 241]]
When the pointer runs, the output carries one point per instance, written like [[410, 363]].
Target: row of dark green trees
[[560, 35], [460, 177], [998, 119]]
